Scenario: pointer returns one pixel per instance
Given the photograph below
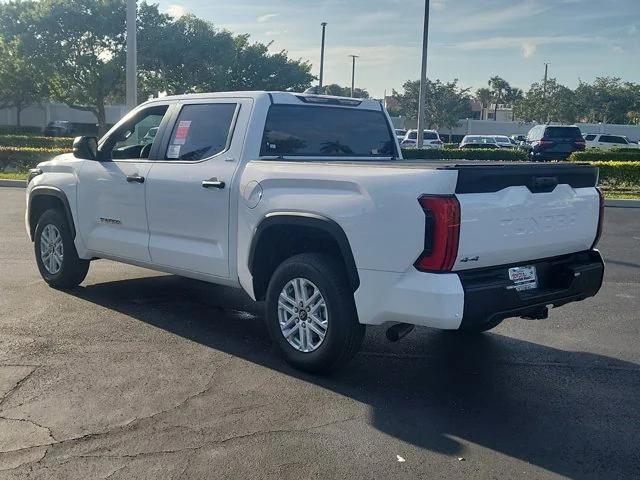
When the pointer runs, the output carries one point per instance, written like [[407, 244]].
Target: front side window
[[314, 131], [201, 131], [132, 139], [590, 138]]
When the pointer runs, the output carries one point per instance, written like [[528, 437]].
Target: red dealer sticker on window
[[181, 132]]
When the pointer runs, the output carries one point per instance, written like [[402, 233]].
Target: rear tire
[[56, 254], [323, 334]]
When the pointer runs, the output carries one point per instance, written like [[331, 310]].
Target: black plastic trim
[[568, 278], [312, 221], [536, 177], [57, 193]]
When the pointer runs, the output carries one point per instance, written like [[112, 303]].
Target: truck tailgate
[[514, 213]]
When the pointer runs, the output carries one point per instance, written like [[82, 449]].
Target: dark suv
[[553, 142]]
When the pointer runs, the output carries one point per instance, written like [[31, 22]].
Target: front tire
[[311, 314], [56, 254]]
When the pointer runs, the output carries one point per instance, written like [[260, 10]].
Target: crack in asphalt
[[19, 383]]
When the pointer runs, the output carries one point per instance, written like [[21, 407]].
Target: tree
[[607, 100], [338, 91], [21, 83], [484, 96], [499, 88], [446, 102], [513, 97], [559, 105]]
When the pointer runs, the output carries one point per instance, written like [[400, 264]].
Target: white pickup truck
[[305, 202]]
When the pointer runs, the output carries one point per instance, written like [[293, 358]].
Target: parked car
[[606, 141], [553, 142], [517, 139], [431, 139], [400, 133], [304, 202], [503, 141], [479, 141], [59, 128]]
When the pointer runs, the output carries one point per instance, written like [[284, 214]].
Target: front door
[[189, 186], [112, 190]]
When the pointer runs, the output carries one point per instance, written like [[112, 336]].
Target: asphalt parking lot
[[141, 375]]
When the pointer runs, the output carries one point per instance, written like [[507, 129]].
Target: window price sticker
[[182, 132]]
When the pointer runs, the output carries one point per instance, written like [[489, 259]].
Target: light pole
[[132, 57], [353, 74], [544, 93], [324, 28], [423, 80]]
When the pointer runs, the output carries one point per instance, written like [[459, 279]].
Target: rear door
[[515, 213], [188, 192]]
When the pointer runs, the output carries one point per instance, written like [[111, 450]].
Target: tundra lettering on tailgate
[[512, 227]]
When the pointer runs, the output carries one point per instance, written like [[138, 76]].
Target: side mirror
[[85, 148]]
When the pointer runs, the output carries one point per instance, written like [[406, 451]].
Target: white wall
[[39, 116]]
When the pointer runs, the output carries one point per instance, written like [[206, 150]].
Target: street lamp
[[324, 28], [423, 80], [353, 74], [132, 57]]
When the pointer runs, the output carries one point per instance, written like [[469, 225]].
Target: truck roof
[[291, 98]]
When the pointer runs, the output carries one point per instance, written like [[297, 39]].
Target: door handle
[[213, 183], [135, 178]]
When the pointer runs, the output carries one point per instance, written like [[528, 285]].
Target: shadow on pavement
[[572, 413]]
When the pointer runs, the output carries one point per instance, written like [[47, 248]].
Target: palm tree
[[512, 97], [499, 87], [484, 96]]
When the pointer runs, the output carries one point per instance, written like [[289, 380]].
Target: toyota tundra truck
[[306, 203]]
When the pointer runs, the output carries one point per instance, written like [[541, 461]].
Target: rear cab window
[[326, 131], [201, 131]]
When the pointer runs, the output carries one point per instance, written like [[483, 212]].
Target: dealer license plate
[[523, 278]]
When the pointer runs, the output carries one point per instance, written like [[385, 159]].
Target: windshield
[[478, 140], [314, 131]]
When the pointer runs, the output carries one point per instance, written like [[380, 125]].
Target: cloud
[[528, 45], [176, 11], [490, 19], [529, 49], [267, 17], [438, 4], [275, 33]]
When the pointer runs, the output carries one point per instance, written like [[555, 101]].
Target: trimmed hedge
[[15, 130], [625, 150], [24, 158], [35, 141], [467, 154], [605, 156], [619, 174]]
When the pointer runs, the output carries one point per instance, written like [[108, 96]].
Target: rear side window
[[326, 132], [612, 139], [563, 132], [590, 138], [201, 131]]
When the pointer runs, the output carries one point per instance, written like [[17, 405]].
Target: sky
[[470, 40]]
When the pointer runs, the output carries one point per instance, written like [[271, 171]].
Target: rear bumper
[[474, 297], [569, 278]]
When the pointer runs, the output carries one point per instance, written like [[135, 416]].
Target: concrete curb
[[13, 183], [622, 203], [607, 203]]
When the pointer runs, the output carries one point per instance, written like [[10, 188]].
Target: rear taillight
[[442, 233], [581, 144], [600, 218], [545, 141]]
